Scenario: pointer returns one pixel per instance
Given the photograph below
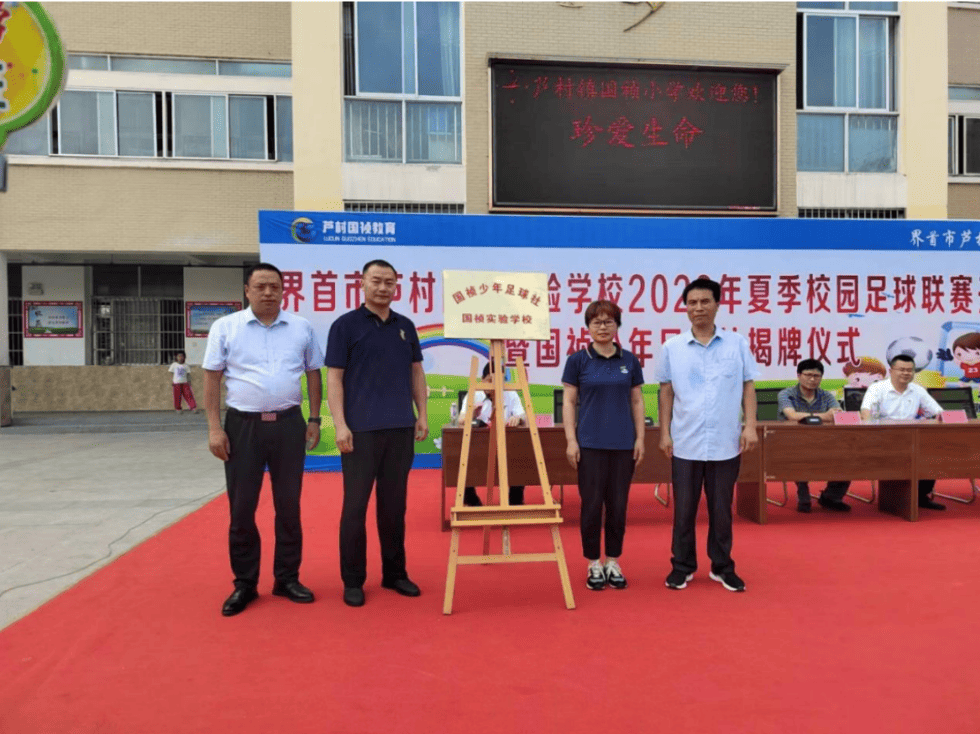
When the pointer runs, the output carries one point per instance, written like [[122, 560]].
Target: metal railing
[[136, 330], [432, 131], [15, 330], [373, 130]]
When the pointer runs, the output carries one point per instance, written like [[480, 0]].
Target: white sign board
[[484, 304]]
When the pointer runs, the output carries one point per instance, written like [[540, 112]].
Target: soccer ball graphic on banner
[[914, 347]]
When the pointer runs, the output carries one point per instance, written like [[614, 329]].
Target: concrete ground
[[77, 490]]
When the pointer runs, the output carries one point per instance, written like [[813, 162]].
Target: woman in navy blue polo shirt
[[606, 442]]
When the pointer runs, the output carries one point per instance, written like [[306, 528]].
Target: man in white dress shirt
[[263, 352], [898, 398]]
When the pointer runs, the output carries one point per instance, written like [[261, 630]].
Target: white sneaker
[[614, 575], [597, 576]]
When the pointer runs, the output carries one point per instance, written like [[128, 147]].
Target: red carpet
[[858, 623]]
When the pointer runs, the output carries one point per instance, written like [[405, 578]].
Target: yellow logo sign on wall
[[32, 65]]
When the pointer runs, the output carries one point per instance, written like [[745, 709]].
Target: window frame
[[173, 128], [264, 99], [403, 98], [275, 115], [959, 148], [153, 133], [216, 63], [892, 18], [98, 134], [164, 126]]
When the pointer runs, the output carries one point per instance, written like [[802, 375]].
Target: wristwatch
[[311, 419]]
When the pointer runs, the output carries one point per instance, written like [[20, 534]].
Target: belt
[[270, 417]]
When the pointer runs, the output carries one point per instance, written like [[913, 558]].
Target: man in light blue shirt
[[706, 378], [263, 352]]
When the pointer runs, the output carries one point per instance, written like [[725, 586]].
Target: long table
[[522, 467], [897, 455]]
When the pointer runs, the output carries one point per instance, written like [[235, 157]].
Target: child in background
[[182, 385]]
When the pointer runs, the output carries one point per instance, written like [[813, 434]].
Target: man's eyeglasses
[[602, 324], [811, 375]]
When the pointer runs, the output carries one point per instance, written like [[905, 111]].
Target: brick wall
[[85, 389], [964, 46], [208, 29], [110, 209]]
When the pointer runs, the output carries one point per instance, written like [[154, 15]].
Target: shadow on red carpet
[[851, 623]]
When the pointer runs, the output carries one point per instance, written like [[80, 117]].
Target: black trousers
[[384, 456], [515, 494], [834, 491], [718, 479], [604, 477], [925, 488], [255, 445]]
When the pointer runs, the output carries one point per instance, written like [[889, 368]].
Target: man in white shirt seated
[[898, 398], [514, 415]]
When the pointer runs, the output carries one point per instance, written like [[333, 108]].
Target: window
[[179, 65], [964, 145], [88, 61], [401, 82], [136, 115], [137, 313], [162, 124], [161, 66], [847, 120], [284, 128], [963, 130], [152, 123], [35, 139], [200, 126], [86, 123], [247, 131]]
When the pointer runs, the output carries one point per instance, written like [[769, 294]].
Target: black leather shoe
[[354, 596], [930, 505], [403, 586], [836, 505], [806, 509], [239, 599], [294, 591]]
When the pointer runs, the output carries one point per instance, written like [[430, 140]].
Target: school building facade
[[136, 197]]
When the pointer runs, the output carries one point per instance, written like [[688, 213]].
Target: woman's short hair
[[607, 308]]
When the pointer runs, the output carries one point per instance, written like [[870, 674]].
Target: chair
[[767, 403], [957, 398], [767, 409], [853, 397]]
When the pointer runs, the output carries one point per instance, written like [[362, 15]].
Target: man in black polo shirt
[[375, 374]]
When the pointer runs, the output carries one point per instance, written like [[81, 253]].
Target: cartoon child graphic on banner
[[864, 372], [966, 353]]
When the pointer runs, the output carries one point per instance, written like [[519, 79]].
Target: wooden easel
[[502, 515]]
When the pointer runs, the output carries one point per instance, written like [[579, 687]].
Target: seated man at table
[[804, 399], [514, 415], [898, 398]]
